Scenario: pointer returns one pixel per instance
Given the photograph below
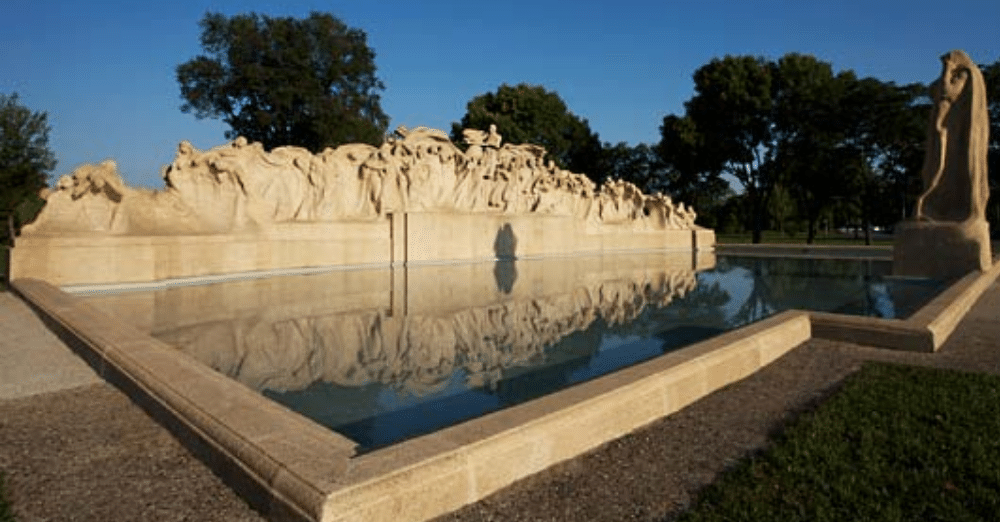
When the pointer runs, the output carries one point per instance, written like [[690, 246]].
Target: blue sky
[[105, 71]]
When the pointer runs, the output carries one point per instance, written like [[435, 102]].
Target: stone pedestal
[[941, 250]]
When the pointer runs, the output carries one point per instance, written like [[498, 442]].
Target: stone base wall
[[395, 240], [84, 260], [941, 250]]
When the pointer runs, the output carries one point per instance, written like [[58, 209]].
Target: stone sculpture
[[239, 187], [955, 173], [950, 216]]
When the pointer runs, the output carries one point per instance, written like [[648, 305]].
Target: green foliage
[[837, 145], [884, 129], [808, 156], [731, 111], [793, 235], [781, 209], [895, 443], [687, 171], [25, 161], [991, 74], [285, 81], [637, 164], [6, 511], [530, 114]]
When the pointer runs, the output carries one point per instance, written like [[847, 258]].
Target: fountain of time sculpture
[[418, 198]]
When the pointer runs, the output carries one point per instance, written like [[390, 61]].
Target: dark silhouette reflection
[[505, 268], [505, 273]]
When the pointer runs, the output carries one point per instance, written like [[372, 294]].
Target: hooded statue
[[949, 236], [955, 173]]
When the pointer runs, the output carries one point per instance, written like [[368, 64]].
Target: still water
[[384, 355]]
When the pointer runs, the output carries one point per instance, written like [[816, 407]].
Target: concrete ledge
[[924, 331], [442, 471], [883, 253], [291, 468], [256, 444]]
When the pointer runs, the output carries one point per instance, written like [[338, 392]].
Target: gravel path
[[89, 454]]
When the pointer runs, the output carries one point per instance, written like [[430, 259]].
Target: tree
[[731, 110], [991, 75], [530, 114], [828, 140], [25, 160], [689, 172], [285, 81], [637, 164], [809, 157]]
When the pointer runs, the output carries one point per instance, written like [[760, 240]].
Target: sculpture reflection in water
[[416, 349], [383, 355]]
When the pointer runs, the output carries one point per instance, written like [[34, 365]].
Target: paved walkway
[[34, 360]]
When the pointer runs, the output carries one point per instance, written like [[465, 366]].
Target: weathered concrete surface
[[33, 359]]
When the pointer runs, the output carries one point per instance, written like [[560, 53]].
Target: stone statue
[[241, 188], [955, 173], [949, 235], [493, 138]]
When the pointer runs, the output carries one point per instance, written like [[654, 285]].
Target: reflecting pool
[[383, 355]]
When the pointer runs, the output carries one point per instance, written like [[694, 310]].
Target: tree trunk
[[10, 228], [811, 234], [757, 209], [866, 219]]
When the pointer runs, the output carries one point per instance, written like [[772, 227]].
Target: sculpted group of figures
[[416, 354], [240, 186]]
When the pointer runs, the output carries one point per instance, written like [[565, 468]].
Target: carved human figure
[[240, 186], [493, 138], [340, 189], [954, 172]]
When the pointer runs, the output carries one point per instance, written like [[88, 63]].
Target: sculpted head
[[958, 74]]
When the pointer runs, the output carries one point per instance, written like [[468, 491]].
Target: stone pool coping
[[291, 468], [924, 331]]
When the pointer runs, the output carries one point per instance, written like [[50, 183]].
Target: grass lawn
[[771, 236], [895, 443], [6, 513]]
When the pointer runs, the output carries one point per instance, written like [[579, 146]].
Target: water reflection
[[382, 355], [846, 286]]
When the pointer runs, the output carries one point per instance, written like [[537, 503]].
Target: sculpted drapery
[[955, 171], [239, 187]]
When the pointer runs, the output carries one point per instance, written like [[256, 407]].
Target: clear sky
[[105, 71]]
